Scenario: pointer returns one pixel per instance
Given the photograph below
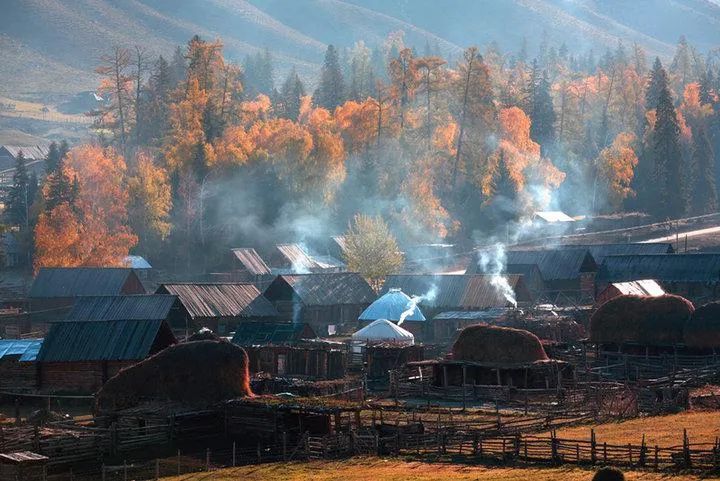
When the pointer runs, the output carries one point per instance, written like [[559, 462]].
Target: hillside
[[52, 46]]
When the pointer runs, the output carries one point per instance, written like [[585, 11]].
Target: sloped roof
[[76, 341], [251, 261], [299, 259], [117, 308], [457, 291], [136, 262], [390, 306], [553, 216], [80, 281], [486, 315], [259, 333], [601, 251], [662, 267], [383, 330], [328, 289], [26, 349], [645, 287], [220, 300], [32, 152], [555, 264]]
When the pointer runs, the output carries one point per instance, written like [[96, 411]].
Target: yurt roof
[[390, 306], [383, 330]]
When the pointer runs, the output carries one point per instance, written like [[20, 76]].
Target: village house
[[448, 292], [448, 324], [296, 259], [600, 251], [80, 356], [17, 364], [568, 274], [34, 159], [694, 276], [644, 287], [249, 267], [220, 307], [330, 302], [55, 289]]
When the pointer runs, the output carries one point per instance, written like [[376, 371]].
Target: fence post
[[103, 472], [124, 470], [686, 449], [259, 452], [593, 453], [207, 459], [284, 441], [178, 462], [643, 449], [157, 469], [475, 444]]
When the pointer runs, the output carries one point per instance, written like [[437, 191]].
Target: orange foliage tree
[[616, 168]]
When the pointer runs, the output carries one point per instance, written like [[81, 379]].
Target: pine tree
[[55, 154], [540, 108], [703, 199], [330, 92], [178, 67], [60, 188], [18, 198], [658, 79], [290, 94], [668, 160]]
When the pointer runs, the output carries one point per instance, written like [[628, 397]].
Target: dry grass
[[665, 431], [34, 110], [362, 469]]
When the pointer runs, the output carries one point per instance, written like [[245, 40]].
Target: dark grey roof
[[601, 251], [209, 300], [555, 264], [259, 333], [663, 268], [76, 341], [80, 281], [485, 315], [328, 289], [115, 308]]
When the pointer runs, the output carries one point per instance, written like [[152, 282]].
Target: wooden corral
[[330, 303], [381, 358], [315, 360], [80, 356]]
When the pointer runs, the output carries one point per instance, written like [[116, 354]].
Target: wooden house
[[23, 465], [644, 287], [17, 364], [160, 307], [449, 292], [290, 350], [330, 302], [694, 276], [600, 251], [34, 156], [568, 273], [221, 307], [296, 259], [80, 356], [531, 276], [55, 289], [249, 267]]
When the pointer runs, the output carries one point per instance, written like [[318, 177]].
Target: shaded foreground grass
[[374, 469]]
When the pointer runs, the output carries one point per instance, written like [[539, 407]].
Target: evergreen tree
[[60, 187], [657, 81], [178, 67], [330, 92], [18, 197], [55, 153], [540, 109], [290, 94], [522, 55], [703, 199], [259, 72], [672, 200]]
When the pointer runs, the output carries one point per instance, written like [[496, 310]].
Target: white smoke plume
[[493, 262], [412, 304]]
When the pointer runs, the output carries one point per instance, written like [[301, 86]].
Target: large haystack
[[702, 331], [204, 334], [650, 321], [196, 374], [497, 345], [608, 474]]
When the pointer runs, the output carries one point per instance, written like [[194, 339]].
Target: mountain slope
[[52, 46]]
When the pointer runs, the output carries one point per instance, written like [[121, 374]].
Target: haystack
[[498, 345], [196, 374], [608, 474], [204, 334], [702, 331], [650, 321]]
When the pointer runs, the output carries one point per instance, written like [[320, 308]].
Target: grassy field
[[34, 110], [702, 427], [362, 469]]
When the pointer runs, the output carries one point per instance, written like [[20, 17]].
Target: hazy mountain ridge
[[47, 40]]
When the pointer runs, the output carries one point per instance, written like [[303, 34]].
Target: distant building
[[330, 302], [645, 287], [552, 217], [34, 159], [296, 259], [601, 251], [248, 266]]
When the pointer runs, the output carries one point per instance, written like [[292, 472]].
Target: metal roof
[[327, 289], [76, 341], [117, 308], [209, 300], [136, 262], [554, 216], [645, 287], [251, 261], [457, 291], [300, 260], [484, 315], [258, 333], [601, 251], [31, 152], [80, 281], [391, 306], [25, 349], [662, 267], [555, 264], [22, 457]]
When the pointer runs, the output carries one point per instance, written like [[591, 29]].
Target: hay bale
[[645, 320], [196, 374], [702, 331], [608, 474], [204, 334], [498, 345]]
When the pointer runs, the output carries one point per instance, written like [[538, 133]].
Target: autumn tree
[[371, 249], [116, 82], [403, 78], [150, 202], [616, 167], [430, 82]]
